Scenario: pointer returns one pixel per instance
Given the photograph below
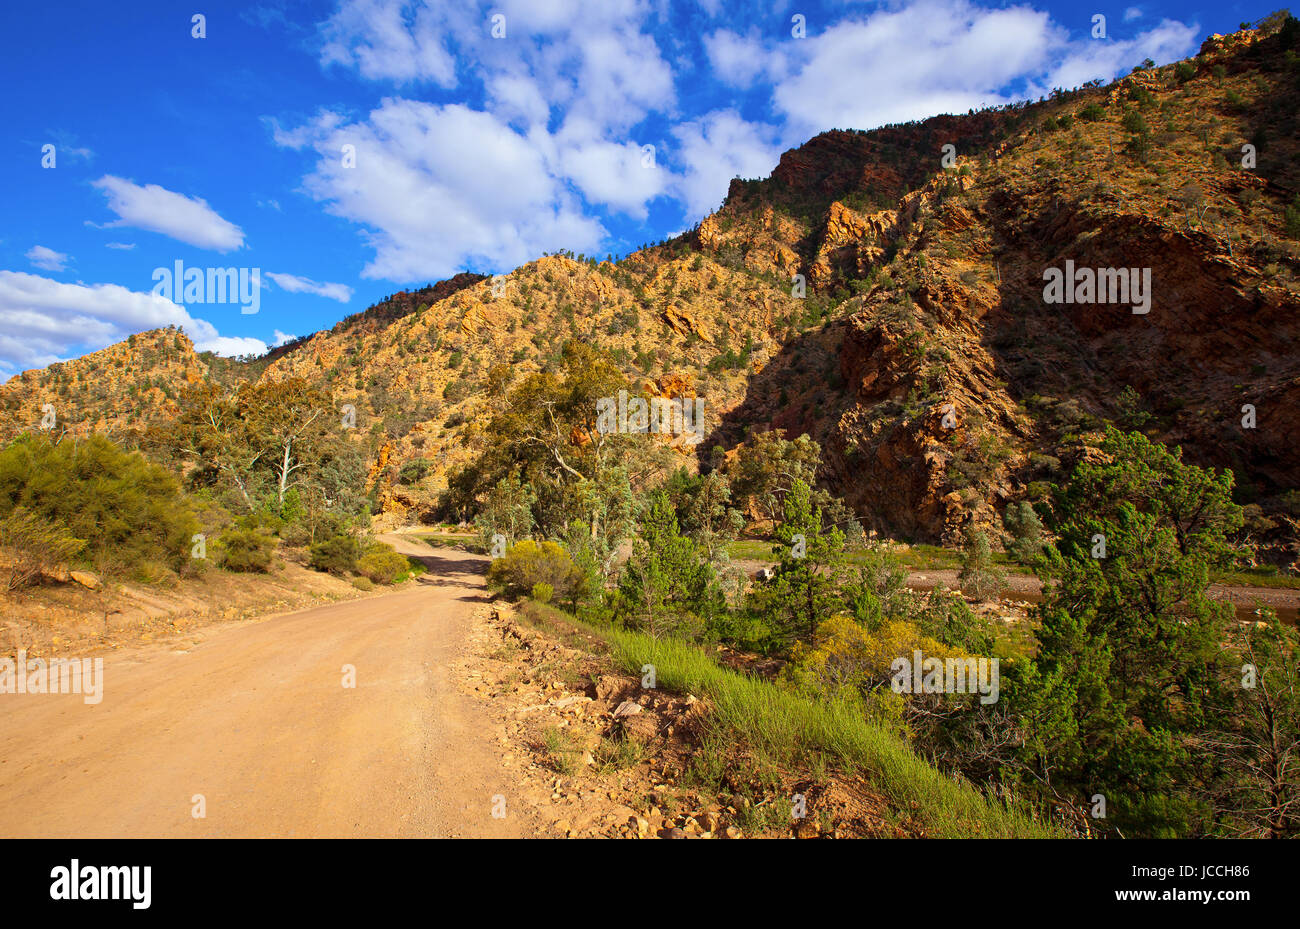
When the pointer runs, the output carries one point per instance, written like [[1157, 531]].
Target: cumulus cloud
[[577, 87], [623, 177], [933, 56], [43, 320], [594, 56], [913, 60], [622, 77], [736, 60], [157, 209], [594, 62], [230, 346], [389, 40], [1086, 60], [440, 189], [47, 259], [716, 148], [302, 285], [517, 97]]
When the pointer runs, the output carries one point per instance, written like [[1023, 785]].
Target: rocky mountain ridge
[[883, 293]]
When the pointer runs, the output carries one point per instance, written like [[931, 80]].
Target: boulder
[[86, 579]]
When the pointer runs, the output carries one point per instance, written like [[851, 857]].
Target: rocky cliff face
[[944, 308], [887, 300]]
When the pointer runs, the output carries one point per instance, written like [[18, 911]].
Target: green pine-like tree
[[668, 585], [1130, 643], [808, 583]]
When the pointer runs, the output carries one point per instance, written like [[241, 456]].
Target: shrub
[[1139, 146], [845, 654], [543, 592], [1293, 218], [414, 471], [31, 546], [978, 577], [1133, 122], [337, 555], [528, 563], [362, 583], [128, 510], [457, 390], [383, 564], [1092, 113], [1025, 532], [246, 550]]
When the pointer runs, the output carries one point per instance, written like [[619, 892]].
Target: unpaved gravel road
[[257, 720], [1020, 586]]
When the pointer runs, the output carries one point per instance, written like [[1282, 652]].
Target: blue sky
[[469, 150]]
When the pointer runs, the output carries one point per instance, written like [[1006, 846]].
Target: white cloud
[[594, 59], [440, 189], [47, 259], [389, 40], [622, 77], [716, 148], [516, 97], [934, 56], [43, 320], [121, 246], [623, 177], [186, 219], [229, 346], [1089, 60], [281, 338], [736, 60], [66, 147], [593, 62], [1132, 13], [301, 285]]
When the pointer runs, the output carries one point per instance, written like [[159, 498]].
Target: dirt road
[[1020, 586], [256, 719]]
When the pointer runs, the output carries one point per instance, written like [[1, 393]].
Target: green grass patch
[[563, 750], [1258, 577], [750, 550], [449, 539], [791, 729], [414, 568]]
